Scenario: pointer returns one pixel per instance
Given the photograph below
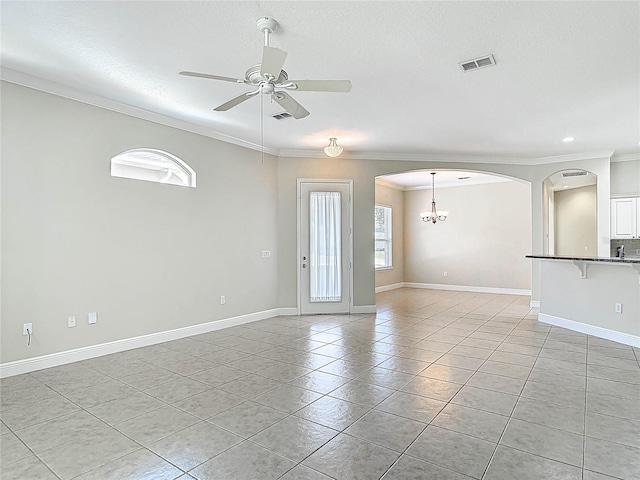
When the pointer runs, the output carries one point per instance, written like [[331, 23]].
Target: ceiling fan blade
[[236, 101], [212, 77], [320, 85], [272, 61], [290, 105]]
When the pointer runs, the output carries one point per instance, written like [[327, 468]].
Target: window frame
[[388, 237], [179, 166]]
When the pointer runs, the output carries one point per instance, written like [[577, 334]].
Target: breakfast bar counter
[[598, 296]]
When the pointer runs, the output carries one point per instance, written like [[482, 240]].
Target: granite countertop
[[626, 259]]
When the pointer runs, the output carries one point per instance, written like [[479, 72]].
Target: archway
[[482, 244], [570, 213]]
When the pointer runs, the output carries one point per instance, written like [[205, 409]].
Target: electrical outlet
[[618, 308], [27, 329], [446, 274], [265, 253], [92, 318], [222, 300], [71, 322]]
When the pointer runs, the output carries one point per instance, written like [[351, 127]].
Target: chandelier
[[434, 215]]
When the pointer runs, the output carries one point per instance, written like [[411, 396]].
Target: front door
[[324, 263]]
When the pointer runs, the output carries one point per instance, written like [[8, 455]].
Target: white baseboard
[[288, 311], [468, 288], [600, 332], [534, 304], [84, 353], [363, 309], [392, 286]]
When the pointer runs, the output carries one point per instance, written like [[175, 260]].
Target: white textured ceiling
[[563, 69], [421, 179]]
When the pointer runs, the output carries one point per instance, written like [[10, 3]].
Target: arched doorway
[[482, 244], [570, 213]]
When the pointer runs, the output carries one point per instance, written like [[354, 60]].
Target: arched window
[[153, 166]]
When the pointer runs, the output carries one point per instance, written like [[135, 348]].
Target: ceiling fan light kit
[[434, 215], [333, 149], [268, 78]]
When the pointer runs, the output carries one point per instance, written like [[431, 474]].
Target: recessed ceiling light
[[568, 139], [565, 186], [464, 178]]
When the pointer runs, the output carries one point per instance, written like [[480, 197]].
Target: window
[[383, 257], [153, 166], [325, 257]]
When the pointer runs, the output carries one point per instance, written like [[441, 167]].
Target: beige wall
[[575, 222], [482, 243], [289, 170], [625, 178], [363, 173], [395, 199], [146, 257], [150, 257]]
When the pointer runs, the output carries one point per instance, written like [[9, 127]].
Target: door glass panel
[[325, 257]]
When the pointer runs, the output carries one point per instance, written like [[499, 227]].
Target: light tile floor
[[438, 385]]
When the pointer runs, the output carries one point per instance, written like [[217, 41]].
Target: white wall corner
[[620, 337]]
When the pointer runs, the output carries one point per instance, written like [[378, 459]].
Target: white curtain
[[325, 247]]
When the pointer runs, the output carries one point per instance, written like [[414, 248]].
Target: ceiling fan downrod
[[268, 76], [267, 25]]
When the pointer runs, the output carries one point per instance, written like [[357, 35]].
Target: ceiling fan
[[269, 78]]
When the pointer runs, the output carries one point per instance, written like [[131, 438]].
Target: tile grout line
[[486, 470], [450, 322], [447, 403]]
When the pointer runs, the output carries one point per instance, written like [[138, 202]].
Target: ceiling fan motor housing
[[268, 75], [267, 23], [254, 77]]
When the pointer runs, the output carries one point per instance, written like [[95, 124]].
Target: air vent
[[578, 173], [281, 116], [476, 63]]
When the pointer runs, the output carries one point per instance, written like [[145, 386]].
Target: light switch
[[93, 318]]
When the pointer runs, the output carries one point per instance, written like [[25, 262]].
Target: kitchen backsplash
[[631, 247]]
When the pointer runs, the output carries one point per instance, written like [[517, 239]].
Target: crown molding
[[456, 158], [409, 157], [386, 183], [572, 157], [627, 157], [440, 157], [54, 88]]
